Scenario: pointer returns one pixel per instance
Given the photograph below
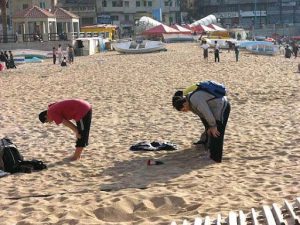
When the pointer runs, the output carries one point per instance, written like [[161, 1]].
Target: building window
[[114, 18], [104, 3], [138, 4], [42, 5], [25, 6], [126, 3], [117, 4], [168, 3], [144, 3], [150, 3], [126, 17]]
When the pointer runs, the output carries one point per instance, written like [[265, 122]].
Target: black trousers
[[215, 144], [54, 58], [83, 127], [217, 57]]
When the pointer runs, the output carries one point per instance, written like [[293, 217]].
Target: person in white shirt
[[59, 53], [205, 47], [217, 52]]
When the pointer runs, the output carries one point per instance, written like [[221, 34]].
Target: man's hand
[[78, 136], [213, 131]]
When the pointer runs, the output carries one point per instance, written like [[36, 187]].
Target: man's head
[[180, 103], [43, 116]]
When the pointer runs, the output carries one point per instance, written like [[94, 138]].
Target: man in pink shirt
[[72, 109]]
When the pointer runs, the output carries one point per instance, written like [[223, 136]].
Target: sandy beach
[[131, 99]]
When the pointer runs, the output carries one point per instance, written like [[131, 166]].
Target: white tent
[[148, 22], [205, 21], [215, 27]]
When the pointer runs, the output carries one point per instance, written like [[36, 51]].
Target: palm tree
[[3, 7]]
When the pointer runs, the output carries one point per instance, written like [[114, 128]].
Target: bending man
[[213, 112], [72, 109]]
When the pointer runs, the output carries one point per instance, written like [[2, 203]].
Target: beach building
[[85, 9], [35, 23], [272, 16]]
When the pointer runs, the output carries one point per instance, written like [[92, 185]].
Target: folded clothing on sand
[[153, 146]]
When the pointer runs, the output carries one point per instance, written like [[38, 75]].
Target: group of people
[[289, 51], [62, 59], [212, 110], [216, 49], [8, 59]]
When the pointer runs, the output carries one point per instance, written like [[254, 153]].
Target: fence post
[[45, 37]]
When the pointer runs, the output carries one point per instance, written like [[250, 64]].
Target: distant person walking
[[59, 53], [71, 54], [205, 47], [217, 51], [236, 52], [288, 52], [6, 59], [11, 60], [295, 50], [54, 55]]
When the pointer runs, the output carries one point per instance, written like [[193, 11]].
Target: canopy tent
[[201, 29], [205, 21], [159, 30], [198, 28], [215, 27], [181, 29]]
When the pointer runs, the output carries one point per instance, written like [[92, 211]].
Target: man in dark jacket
[[213, 112]]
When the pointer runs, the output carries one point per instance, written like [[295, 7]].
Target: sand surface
[[131, 98]]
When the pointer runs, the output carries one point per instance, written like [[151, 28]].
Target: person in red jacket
[[67, 110]]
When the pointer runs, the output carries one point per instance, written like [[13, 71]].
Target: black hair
[[42, 116], [178, 101]]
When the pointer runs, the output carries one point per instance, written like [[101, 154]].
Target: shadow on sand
[[135, 173]]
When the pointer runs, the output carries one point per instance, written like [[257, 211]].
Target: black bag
[[32, 165], [11, 157]]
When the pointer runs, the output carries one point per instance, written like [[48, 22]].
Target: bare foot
[[74, 158]]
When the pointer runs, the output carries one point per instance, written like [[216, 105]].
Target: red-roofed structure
[[41, 22], [182, 30], [159, 30], [61, 13], [34, 12]]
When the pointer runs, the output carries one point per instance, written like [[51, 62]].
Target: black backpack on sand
[[11, 157], [12, 161]]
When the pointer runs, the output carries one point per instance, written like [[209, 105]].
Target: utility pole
[[254, 23]]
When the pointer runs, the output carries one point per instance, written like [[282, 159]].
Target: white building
[[125, 13]]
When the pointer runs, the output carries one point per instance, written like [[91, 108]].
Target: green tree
[[3, 7]]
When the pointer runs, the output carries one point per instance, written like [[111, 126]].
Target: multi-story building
[[125, 13], [252, 13], [18, 5], [85, 9]]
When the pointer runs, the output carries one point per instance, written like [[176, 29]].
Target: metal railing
[[8, 38], [41, 38]]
